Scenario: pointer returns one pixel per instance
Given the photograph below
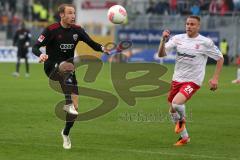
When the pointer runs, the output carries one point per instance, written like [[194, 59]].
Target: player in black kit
[[60, 40], [22, 39]]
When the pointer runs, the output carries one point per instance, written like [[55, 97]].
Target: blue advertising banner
[[152, 38], [9, 54]]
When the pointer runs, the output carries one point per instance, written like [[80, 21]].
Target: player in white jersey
[[237, 81], [192, 51]]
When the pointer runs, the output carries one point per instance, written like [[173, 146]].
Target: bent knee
[[66, 67]]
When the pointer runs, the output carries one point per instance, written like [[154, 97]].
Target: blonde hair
[[195, 17], [62, 7]]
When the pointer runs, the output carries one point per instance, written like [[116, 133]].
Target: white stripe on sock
[[184, 133], [180, 108], [174, 116]]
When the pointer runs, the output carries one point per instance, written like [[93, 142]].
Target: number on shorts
[[188, 89]]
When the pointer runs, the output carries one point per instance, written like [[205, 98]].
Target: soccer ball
[[117, 14]]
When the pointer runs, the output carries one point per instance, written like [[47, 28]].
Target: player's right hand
[[166, 34], [43, 58], [105, 50]]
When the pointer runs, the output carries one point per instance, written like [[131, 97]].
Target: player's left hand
[[213, 84]]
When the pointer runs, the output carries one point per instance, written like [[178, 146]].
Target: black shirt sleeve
[[42, 40], [85, 38]]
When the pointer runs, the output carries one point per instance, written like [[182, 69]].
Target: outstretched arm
[[88, 40], [213, 82], [161, 48]]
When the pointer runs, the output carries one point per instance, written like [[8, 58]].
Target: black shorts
[[67, 81], [22, 52]]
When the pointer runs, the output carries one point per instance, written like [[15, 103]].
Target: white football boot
[[69, 108], [66, 141], [15, 74]]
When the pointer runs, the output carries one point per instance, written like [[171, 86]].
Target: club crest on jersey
[[75, 37], [41, 38], [197, 46]]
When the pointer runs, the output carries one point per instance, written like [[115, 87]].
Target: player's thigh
[[186, 91], [50, 69], [175, 87], [179, 98]]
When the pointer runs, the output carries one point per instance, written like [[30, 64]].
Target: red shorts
[[238, 61], [186, 88]]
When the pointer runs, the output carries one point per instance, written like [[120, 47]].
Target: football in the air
[[117, 14]]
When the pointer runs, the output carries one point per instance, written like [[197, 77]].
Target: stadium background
[[147, 19], [29, 127]]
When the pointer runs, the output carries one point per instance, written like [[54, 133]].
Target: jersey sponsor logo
[[41, 38], [178, 43], [66, 46], [75, 37], [185, 55]]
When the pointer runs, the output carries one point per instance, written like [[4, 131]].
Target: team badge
[[41, 38], [197, 46], [75, 37]]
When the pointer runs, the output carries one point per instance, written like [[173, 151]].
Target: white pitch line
[[124, 150]]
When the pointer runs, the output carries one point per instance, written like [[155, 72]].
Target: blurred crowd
[[194, 7], [37, 12], [8, 13], [40, 11]]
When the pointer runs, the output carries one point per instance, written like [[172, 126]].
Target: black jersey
[[22, 38], [61, 42]]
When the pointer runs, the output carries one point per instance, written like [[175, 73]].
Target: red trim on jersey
[[54, 26], [76, 26]]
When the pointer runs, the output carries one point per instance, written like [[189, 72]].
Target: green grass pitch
[[30, 130]]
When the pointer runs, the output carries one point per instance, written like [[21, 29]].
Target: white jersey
[[191, 57]]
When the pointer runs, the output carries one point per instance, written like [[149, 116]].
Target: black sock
[[67, 128], [68, 99], [27, 65], [69, 123], [18, 65]]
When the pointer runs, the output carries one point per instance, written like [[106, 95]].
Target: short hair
[[62, 7], [195, 17]]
